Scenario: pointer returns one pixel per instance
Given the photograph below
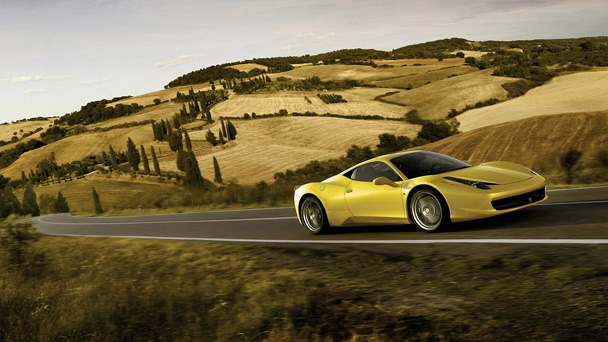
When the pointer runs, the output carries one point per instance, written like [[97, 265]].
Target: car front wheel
[[313, 216], [427, 211]]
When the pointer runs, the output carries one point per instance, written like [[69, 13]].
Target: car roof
[[384, 158]]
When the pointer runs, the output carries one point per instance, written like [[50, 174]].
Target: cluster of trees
[[250, 85], [435, 49], [53, 134], [479, 104], [8, 156], [10, 205], [227, 132], [331, 98], [211, 74], [97, 111], [15, 138], [531, 60]]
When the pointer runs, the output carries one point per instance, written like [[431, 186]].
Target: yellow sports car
[[427, 189]]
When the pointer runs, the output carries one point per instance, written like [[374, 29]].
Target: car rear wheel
[[427, 210], [313, 216]]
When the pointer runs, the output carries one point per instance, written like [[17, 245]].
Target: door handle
[[349, 190]]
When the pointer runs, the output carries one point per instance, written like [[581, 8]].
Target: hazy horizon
[[59, 55]]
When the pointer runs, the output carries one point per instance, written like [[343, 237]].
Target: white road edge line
[[165, 222], [582, 188], [465, 241], [239, 220]]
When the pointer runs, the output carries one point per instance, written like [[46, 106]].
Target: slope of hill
[[580, 92], [360, 102], [266, 146], [435, 100], [406, 67], [532, 141]]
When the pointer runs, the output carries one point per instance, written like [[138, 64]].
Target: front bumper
[[498, 200]]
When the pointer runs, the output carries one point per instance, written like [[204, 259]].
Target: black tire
[[313, 216], [428, 210]]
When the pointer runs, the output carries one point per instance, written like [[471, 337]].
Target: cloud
[[32, 91], [301, 40], [94, 81], [183, 59], [22, 79]]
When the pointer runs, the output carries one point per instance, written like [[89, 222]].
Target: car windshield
[[424, 163]]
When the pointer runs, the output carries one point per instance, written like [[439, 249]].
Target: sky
[[58, 55]]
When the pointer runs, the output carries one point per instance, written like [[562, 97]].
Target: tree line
[[97, 111]]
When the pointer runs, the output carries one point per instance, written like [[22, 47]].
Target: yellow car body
[[467, 193]]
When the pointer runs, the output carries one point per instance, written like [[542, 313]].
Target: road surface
[[573, 217]]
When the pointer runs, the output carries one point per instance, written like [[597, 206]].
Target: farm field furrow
[[360, 102]]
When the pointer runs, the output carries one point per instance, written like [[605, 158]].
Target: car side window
[[370, 171]]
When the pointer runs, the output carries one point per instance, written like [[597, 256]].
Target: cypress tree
[[211, 138], [181, 160], [231, 130], [23, 177], [209, 119], [144, 158], [132, 155], [188, 142], [61, 205], [113, 158], [223, 128], [216, 169], [96, 202], [30, 205], [222, 140], [193, 173], [155, 161], [9, 204]]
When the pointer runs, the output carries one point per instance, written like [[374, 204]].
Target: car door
[[370, 203]]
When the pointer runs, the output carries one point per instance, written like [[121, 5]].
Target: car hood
[[492, 174]]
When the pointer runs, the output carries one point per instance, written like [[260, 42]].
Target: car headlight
[[534, 173], [475, 184]]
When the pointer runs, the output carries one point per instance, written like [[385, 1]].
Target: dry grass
[[531, 141], [267, 146], [369, 74], [421, 79], [580, 92], [435, 100], [246, 67], [7, 130], [162, 111], [360, 102], [79, 146], [163, 95], [116, 193]]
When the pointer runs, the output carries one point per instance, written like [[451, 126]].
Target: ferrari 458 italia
[[427, 189]]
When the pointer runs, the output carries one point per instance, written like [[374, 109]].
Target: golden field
[[435, 100], [579, 92], [360, 102], [531, 142], [266, 146]]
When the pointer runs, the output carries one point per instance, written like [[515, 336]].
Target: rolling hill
[[579, 92], [569, 111]]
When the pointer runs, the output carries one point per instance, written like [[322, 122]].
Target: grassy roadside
[[101, 289]]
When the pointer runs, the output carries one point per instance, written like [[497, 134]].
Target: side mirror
[[384, 181]]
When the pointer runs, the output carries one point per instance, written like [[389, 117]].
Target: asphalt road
[[572, 217]]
